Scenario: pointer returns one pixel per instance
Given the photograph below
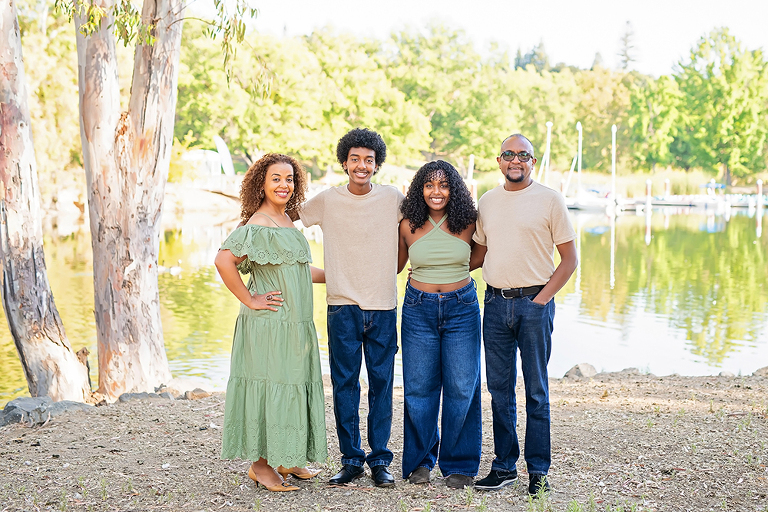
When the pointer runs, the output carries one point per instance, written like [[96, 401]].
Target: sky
[[572, 31]]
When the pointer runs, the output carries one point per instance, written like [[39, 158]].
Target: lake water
[[675, 292]]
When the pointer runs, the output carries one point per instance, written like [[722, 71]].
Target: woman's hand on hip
[[266, 301]]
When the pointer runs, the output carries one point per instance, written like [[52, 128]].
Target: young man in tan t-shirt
[[360, 241], [518, 227]]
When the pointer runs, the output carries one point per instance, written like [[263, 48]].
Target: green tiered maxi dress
[[275, 404]]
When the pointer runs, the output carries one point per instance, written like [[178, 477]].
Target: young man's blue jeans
[[509, 325], [352, 334], [440, 335]]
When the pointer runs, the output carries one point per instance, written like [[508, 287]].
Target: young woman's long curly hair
[[252, 188], [460, 208]]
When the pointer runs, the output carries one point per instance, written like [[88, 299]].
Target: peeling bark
[[126, 157], [50, 366]]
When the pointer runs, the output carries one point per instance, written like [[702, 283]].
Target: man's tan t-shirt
[[521, 229], [359, 244]]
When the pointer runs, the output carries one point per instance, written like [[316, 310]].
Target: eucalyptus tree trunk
[[50, 366], [126, 157]]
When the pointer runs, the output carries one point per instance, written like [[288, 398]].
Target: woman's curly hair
[[252, 188], [361, 138], [460, 208]]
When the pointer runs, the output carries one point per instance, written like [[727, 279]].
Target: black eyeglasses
[[523, 156]]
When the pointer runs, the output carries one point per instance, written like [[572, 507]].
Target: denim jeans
[[440, 335], [352, 334], [509, 325]]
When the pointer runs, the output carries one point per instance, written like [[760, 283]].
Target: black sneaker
[[497, 479], [538, 485]]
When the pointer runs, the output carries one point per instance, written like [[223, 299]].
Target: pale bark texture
[[126, 157], [50, 366]]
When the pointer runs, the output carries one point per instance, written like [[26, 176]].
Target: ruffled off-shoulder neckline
[[266, 245]]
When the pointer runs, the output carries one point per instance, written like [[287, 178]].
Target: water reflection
[[663, 290], [709, 286]]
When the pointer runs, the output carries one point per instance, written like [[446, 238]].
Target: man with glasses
[[518, 227]]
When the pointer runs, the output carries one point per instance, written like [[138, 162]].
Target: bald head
[[522, 137]]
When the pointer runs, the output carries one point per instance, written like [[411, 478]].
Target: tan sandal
[[283, 487], [284, 472]]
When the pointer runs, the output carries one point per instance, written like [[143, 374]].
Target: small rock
[[127, 397], [761, 372], [162, 390], [581, 371], [37, 410], [196, 394], [726, 374], [167, 395]]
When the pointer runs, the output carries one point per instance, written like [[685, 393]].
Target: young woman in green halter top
[[440, 329], [275, 412]]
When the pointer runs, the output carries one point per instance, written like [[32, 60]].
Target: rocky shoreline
[[621, 441]]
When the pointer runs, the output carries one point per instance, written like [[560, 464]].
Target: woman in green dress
[[275, 411]]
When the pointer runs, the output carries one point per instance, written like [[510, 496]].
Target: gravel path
[[621, 441]]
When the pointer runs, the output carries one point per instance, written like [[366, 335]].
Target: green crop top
[[439, 257]]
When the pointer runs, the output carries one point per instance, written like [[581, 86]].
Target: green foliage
[[130, 27], [428, 92], [337, 87], [51, 73], [537, 58], [603, 102], [230, 25], [653, 120], [178, 168], [359, 94], [546, 97], [725, 106], [441, 73]]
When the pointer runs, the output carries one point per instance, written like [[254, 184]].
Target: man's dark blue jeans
[[352, 334], [510, 325]]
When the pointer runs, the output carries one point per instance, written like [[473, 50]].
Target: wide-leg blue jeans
[[440, 335], [352, 334], [510, 325]]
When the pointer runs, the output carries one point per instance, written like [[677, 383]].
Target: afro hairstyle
[[361, 138]]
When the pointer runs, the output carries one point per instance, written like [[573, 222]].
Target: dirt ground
[[621, 441]]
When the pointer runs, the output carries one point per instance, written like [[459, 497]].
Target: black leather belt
[[511, 293]]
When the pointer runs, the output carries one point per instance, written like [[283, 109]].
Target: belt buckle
[[513, 292]]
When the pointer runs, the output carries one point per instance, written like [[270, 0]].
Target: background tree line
[[432, 95]]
